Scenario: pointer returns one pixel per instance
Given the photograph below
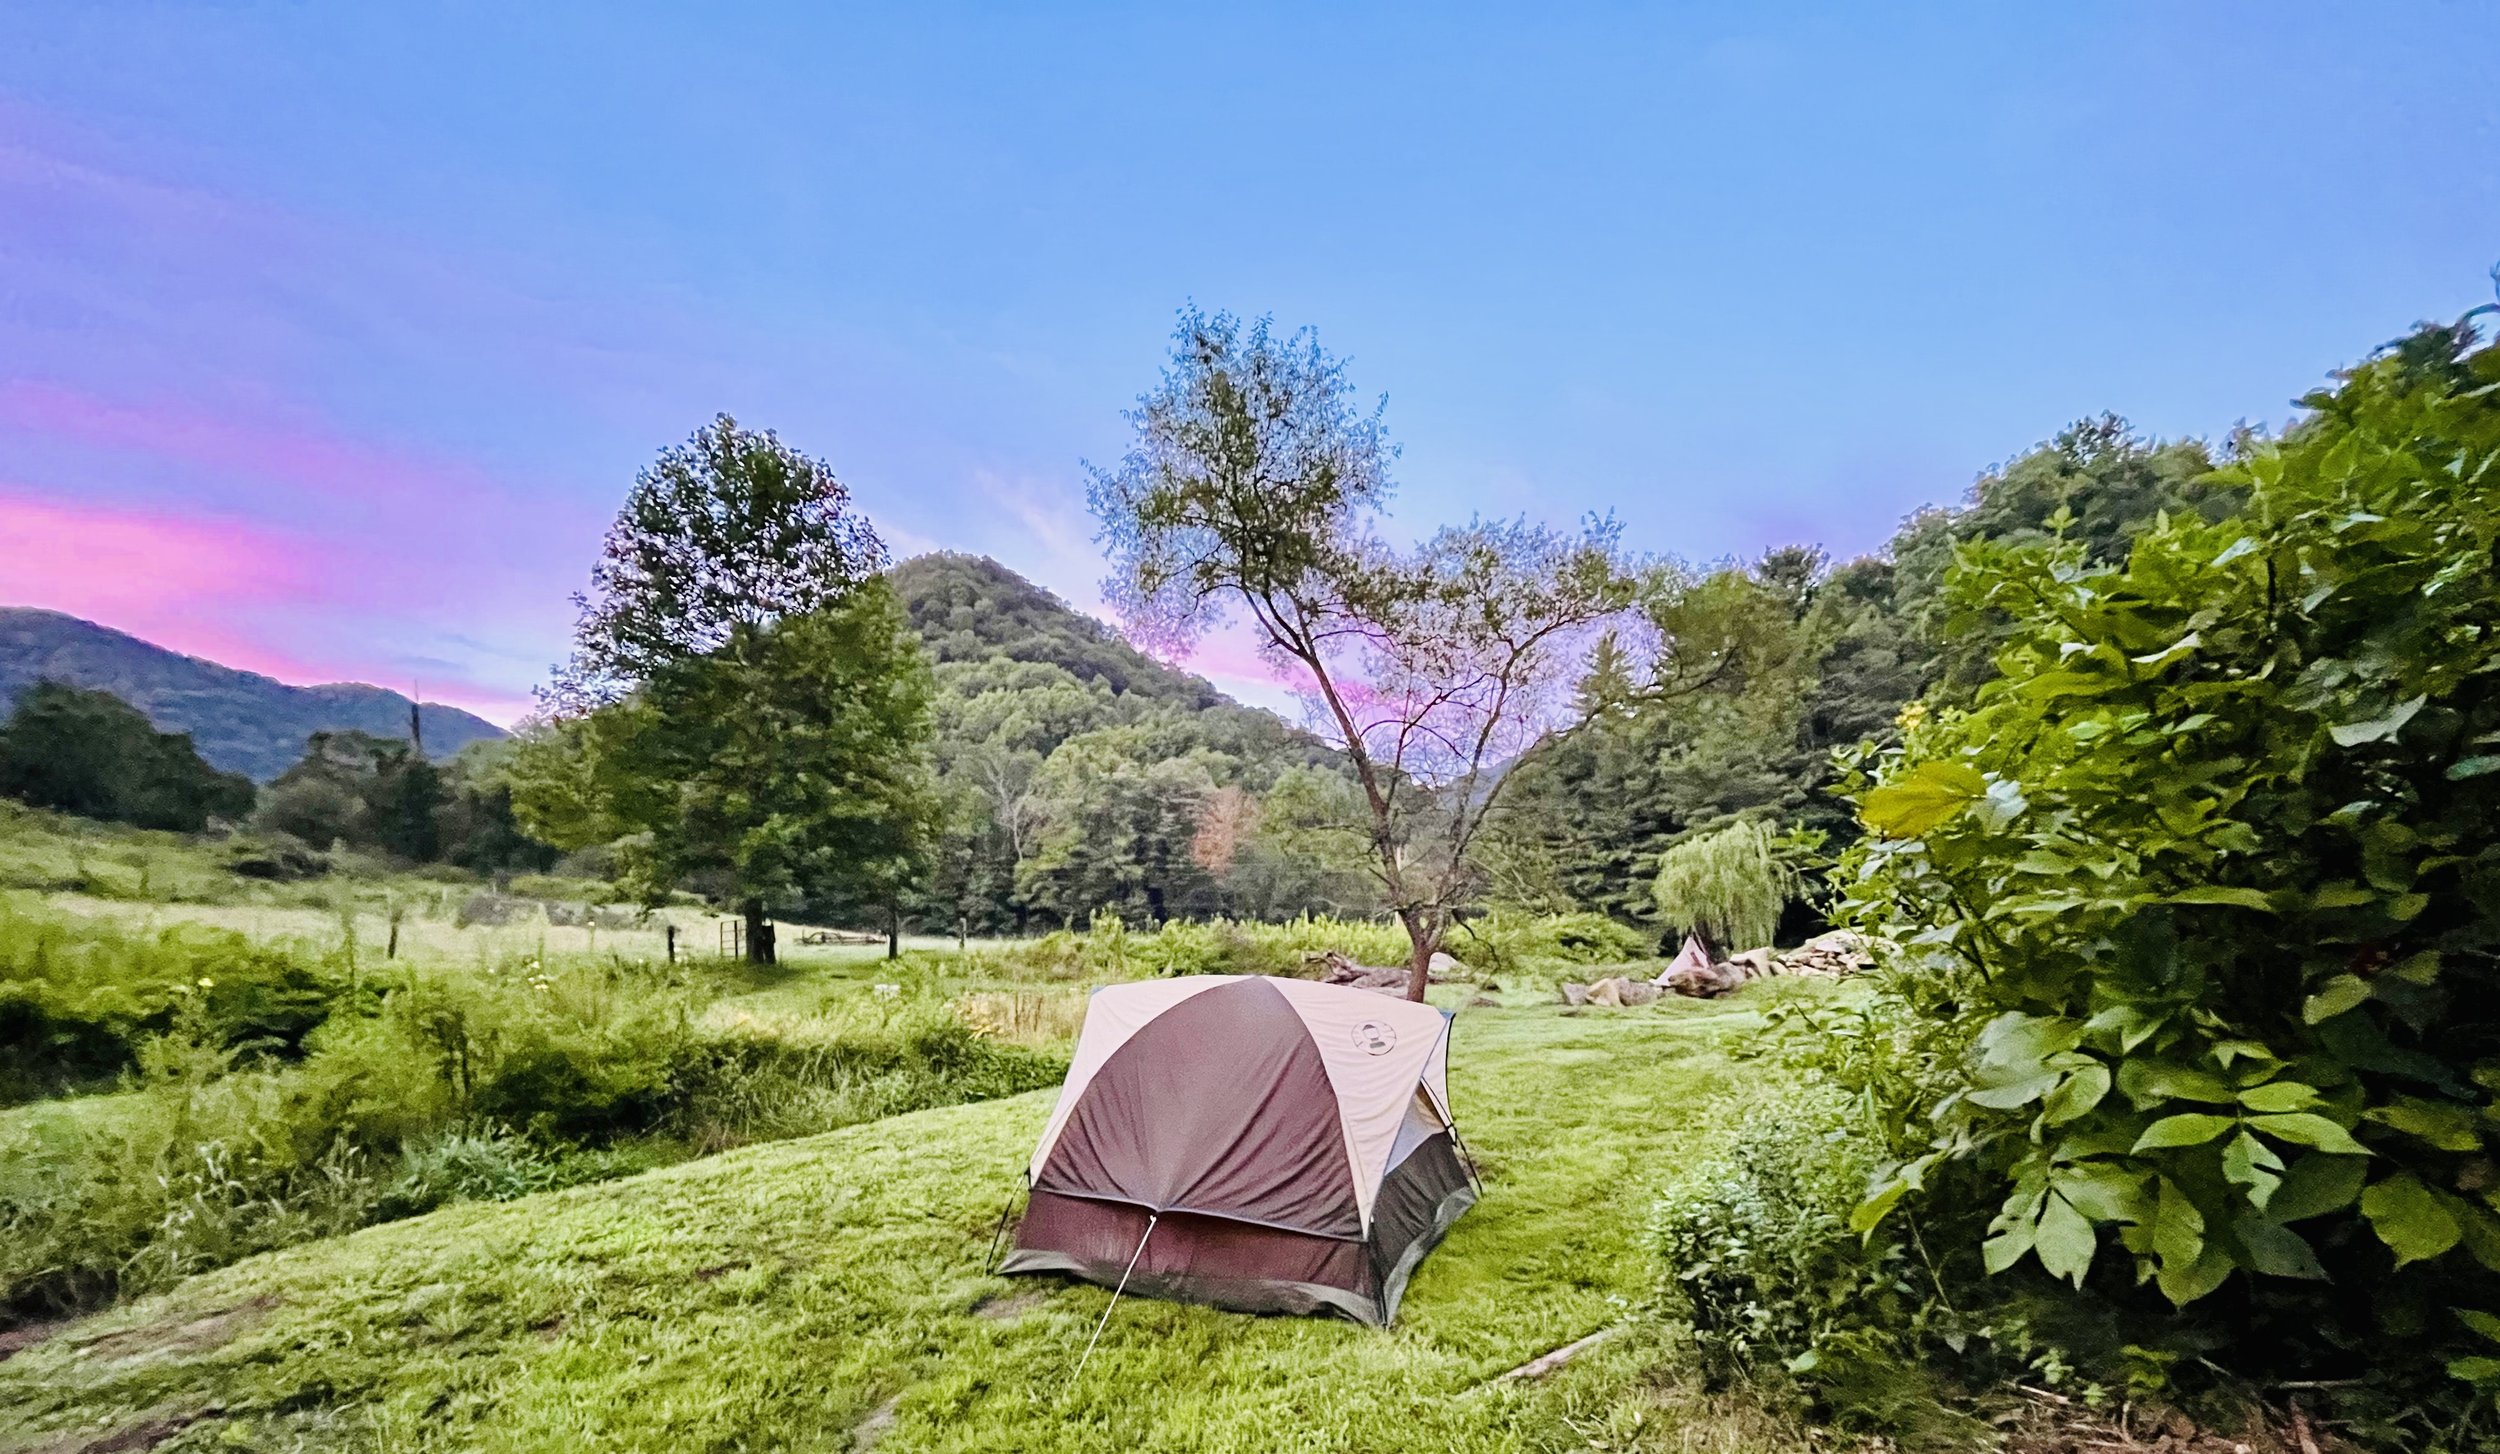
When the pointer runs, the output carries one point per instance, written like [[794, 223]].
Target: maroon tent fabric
[[1210, 1108], [1272, 1153]]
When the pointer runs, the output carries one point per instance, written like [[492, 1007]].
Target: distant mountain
[[240, 721]]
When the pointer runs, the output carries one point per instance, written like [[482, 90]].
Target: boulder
[[1575, 994], [1619, 992], [1341, 969]]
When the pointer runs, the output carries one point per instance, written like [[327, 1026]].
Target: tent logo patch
[[1375, 1037]]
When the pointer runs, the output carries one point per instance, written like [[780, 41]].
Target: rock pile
[[1391, 979], [1825, 956]]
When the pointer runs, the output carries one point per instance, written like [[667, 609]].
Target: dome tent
[[1258, 1144]]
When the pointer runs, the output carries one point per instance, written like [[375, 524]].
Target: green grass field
[[828, 1294]]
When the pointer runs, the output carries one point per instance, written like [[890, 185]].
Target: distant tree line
[[89, 753]]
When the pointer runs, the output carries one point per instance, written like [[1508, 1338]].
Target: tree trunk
[[893, 932], [1423, 934], [759, 933]]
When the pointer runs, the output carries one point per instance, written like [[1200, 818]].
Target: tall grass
[[413, 1085]]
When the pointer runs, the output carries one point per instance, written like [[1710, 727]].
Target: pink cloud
[[163, 578]]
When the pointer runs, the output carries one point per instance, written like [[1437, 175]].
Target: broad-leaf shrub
[[2204, 891]]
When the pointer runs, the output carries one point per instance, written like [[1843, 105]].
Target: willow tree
[[1253, 487], [1730, 886]]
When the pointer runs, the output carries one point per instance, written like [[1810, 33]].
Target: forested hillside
[[1081, 775], [240, 721]]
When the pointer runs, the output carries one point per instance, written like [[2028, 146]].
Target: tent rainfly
[[1264, 1145]]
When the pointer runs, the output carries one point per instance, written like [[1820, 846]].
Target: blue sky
[[330, 336]]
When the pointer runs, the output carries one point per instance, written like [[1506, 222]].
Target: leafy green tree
[[1253, 484], [747, 710], [720, 537], [92, 754], [374, 793], [2201, 895], [1118, 823], [478, 827]]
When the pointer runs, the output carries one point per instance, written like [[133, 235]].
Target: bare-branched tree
[[1254, 483]]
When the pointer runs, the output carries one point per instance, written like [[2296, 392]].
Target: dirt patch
[[2052, 1424], [866, 1433], [26, 1336], [1012, 1305], [716, 1270], [549, 1328], [197, 1335]]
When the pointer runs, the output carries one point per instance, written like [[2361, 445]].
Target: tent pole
[[1115, 1297], [1001, 1229], [1466, 1156]]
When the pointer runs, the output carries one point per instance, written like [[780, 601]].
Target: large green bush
[[2202, 897], [79, 998]]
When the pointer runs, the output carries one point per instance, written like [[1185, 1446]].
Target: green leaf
[[2408, 1217], [2220, 894], [2279, 1096], [2064, 1241], [2316, 1185], [2474, 1370], [1929, 796], [2190, 1267], [2013, 1095], [2443, 1124], [2307, 1129], [2379, 728], [2481, 1232], [2276, 1251], [2006, 1248], [2481, 1322], [2149, 1082], [2335, 997], [2106, 1192], [2076, 1095], [2178, 1228], [1868, 1214], [2251, 1163], [2467, 767], [2187, 1130]]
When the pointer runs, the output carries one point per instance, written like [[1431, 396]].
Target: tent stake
[[1115, 1298], [1001, 1229]]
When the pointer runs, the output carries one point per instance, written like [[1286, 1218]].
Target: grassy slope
[[816, 1293]]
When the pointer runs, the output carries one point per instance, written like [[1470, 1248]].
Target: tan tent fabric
[[1376, 1050], [1691, 956]]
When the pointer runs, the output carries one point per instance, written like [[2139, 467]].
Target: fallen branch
[[1539, 1367]]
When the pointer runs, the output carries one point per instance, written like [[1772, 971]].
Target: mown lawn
[[828, 1294]]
